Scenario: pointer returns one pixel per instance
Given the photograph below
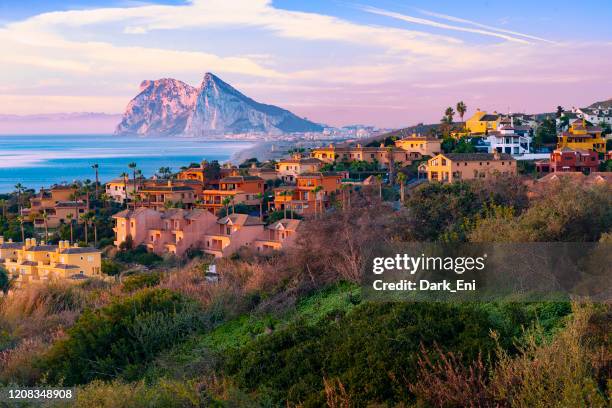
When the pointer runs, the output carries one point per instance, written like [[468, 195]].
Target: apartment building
[[230, 233], [450, 167], [312, 193], [55, 204], [31, 262], [278, 235]]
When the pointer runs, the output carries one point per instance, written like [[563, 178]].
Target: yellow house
[[582, 136], [425, 146], [450, 167], [33, 262], [481, 122]]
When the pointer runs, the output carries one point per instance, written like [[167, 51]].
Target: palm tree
[[125, 177], [401, 179], [69, 217], [233, 204], [3, 205], [461, 109], [21, 221], [391, 163], [260, 197], [105, 198], [19, 188], [94, 221], [95, 166], [448, 114], [226, 202], [86, 218], [316, 193], [132, 166], [380, 180], [46, 220]]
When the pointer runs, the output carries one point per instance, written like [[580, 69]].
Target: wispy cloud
[[432, 23], [487, 27]]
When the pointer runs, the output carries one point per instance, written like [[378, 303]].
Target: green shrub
[[120, 337], [142, 280], [139, 255], [110, 268], [372, 351]]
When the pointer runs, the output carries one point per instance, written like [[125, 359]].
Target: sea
[[43, 160]]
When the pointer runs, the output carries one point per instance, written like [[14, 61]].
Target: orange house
[[56, 203], [240, 189], [303, 199], [158, 197]]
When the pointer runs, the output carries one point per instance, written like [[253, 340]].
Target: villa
[[570, 160], [279, 235], [510, 139], [288, 169], [159, 195], [581, 136], [31, 262], [381, 154], [230, 233], [237, 188], [450, 167], [482, 122], [423, 145], [120, 190], [55, 204], [311, 194]]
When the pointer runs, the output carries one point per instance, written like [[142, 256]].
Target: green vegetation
[[138, 255], [120, 337]]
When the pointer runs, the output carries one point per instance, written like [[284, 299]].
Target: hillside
[[603, 104]]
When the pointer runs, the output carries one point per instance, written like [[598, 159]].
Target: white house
[[514, 140], [595, 115]]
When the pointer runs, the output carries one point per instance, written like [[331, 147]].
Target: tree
[[391, 164], [316, 191], [69, 217], [546, 133], [46, 221], [6, 282], [21, 221], [132, 166], [260, 198], [380, 181], [448, 114], [94, 221], [559, 112], [3, 203], [401, 179], [86, 218], [125, 176], [461, 109], [19, 189], [96, 167], [226, 202]]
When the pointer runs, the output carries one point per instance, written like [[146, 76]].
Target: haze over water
[[40, 161]]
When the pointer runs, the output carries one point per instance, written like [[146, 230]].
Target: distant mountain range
[[169, 107], [59, 123]]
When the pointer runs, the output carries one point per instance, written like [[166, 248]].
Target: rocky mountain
[[162, 107], [170, 107]]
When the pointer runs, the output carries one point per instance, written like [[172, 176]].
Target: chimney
[[169, 183], [33, 242], [27, 243], [1, 239], [359, 145], [496, 155]]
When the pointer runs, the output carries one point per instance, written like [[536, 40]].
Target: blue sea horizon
[[38, 161]]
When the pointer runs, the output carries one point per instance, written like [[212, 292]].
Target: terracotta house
[[450, 167], [278, 235], [230, 233]]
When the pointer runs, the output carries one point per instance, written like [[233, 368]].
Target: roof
[[43, 248], [419, 138], [476, 156], [318, 174], [303, 160], [79, 250], [11, 245], [285, 223], [182, 214], [240, 179], [131, 213], [488, 118], [65, 266], [239, 219], [29, 263], [165, 188], [69, 204]]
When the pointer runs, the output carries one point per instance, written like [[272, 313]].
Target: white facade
[[506, 140], [595, 115]]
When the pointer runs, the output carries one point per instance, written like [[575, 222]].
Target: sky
[[389, 63]]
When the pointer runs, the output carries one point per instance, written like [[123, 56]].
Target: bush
[[139, 255], [120, 337], [110, 268], [139, 281], [369, 351]]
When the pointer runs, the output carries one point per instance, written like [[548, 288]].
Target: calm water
[[37, 161]]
